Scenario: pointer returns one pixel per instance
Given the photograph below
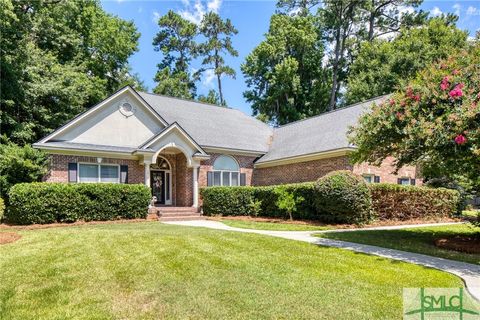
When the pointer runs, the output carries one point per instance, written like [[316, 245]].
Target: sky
[[251, 18]]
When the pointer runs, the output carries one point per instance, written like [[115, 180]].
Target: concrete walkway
[[470, 273]]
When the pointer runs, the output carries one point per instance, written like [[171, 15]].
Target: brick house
[[176, 146]]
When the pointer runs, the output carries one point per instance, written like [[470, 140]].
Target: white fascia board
[[241, 152], [305, 158], [173, 126], [86, 152]]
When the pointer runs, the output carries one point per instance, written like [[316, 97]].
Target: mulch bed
[[8, 237], [460, 243]]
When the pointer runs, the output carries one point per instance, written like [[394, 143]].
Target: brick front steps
[[175, 214]]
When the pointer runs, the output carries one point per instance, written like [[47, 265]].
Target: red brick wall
[[58, 167], [312, 170], [184, 182], [386, 169], [299, 172], [245, 162]]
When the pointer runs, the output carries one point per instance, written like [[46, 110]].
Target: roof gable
[[108, 123], [213, 126], [322, 133]]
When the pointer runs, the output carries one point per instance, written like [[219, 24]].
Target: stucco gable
[[108, 123]]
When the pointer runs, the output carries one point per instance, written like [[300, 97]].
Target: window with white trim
[[90, 172], [406, 181], [226, 172], [368, 178]]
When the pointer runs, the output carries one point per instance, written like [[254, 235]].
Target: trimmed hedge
[[228, 201], [397, 202], [59, 202], [343, 197], [239, 201], [389, 202], [268, 198]]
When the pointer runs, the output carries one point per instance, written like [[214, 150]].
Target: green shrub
[[228, 201], [287, 201], [256, 201], [269, 199], [343, 197], [19, 164], [2, 209], [397, 202], [59, 202]]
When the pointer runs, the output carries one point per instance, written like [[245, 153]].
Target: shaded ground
[[418, 240], [261, 223]]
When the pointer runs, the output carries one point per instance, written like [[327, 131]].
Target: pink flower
[[416, 97], [457, 91], [399, 115], [444, 84], [455, 72], [460, 139]]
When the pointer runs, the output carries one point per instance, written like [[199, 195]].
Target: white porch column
[[195, 186], [147, 173]]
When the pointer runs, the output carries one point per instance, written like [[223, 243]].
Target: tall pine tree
[[176, 41], [218, 43]]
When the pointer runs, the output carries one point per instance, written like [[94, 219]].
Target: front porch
[[171, 162]]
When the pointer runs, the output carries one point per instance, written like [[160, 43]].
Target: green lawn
[[260, 225], [152, 271], [419, 240]]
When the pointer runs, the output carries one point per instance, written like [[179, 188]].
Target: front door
[[158, 186]]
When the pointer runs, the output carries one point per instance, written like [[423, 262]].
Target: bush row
[[59, 202], [338, 197], [396, 202], [239, 201]]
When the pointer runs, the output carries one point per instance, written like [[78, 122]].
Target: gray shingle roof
[[213, 126], [324, 132]]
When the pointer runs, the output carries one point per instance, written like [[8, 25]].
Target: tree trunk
[[333, 91], [220, 89], [371, 23], [219, 81]]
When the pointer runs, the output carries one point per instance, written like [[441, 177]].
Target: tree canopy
[[284, 72], [218, 41], [57, 59], [382, 65], [176, 42], [433, 121]]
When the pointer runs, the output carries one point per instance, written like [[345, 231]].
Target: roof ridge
[[332, 111], [188, 100], [208, 105]]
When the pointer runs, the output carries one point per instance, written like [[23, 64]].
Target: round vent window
[[127, 109]]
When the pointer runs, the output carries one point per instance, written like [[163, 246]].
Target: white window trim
[[98, 170], [409, 181], [221, 178], [372, 177]]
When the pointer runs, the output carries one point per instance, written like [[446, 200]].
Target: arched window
[[226, 172]]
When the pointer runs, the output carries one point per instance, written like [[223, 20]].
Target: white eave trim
[[100, 105], [242, 152], [305, 158], [174, 125], [85, 152]]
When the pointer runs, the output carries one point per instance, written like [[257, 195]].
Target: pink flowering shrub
[[434, 121]]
